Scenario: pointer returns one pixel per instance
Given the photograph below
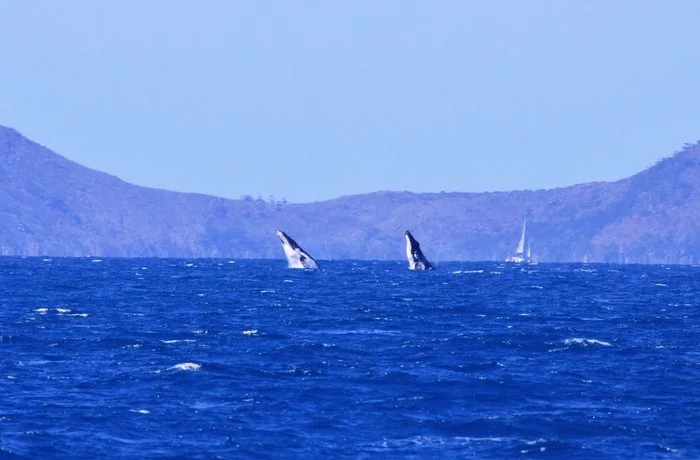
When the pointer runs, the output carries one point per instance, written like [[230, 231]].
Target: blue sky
[[313, 100]]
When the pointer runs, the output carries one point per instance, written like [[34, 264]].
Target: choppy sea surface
[[249, 359]]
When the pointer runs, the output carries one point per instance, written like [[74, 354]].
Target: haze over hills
[[54, 207]]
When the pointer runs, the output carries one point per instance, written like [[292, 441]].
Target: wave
[[186, 367], [586, 342]]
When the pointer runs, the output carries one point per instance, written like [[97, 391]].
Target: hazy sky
[[313, 100]]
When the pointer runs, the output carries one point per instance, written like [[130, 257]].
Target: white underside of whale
[[297, 258]]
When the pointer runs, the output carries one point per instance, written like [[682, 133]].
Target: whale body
[[416, 259], [296, 256]]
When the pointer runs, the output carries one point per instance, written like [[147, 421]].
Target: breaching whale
[[296, 256], [416, 259]]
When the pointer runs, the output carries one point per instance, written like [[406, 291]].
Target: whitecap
[[661, 284], [232, 261], [480, 438], [360, 331], [46, 260], [535, 286], [63, 310], [82, 315], [186, 367], [585, 342], [42, 310], [266, 291], [140, 411], [430, 441], [96, 260], [288, 281], [537, 441], [250, 332], [178, 341]]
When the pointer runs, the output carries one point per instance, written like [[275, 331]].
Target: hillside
[[52, 206]]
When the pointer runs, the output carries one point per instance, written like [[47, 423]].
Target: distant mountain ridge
[[51, 206]]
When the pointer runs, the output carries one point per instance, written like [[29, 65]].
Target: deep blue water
[[249, 359]]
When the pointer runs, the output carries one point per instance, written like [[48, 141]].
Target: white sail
[[521, 243], [520, 256]]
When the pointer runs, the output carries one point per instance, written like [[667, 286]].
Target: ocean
[[202, 358]]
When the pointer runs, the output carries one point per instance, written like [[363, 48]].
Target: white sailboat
[[520, 256]]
